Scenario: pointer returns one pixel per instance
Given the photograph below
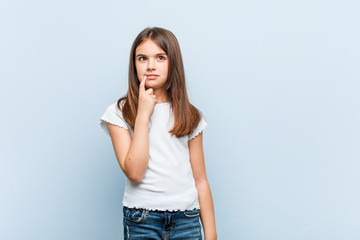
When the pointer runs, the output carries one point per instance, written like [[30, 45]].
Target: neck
[[160, 96]]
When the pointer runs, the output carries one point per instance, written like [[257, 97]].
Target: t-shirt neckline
[[161, 104]]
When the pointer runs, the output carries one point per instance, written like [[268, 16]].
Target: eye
[[140, 58], [161, 57]]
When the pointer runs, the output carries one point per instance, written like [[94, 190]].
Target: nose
[[151, 64]]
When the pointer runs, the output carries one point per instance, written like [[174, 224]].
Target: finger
[[150, 91], [142, 84]]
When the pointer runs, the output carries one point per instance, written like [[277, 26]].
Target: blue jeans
[[142, 224]]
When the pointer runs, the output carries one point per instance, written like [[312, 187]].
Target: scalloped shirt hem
[[161, 209]]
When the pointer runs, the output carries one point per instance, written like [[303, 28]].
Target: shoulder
[[113, 115], [202, 115], [116, 108], [196, 110], [200, 126]]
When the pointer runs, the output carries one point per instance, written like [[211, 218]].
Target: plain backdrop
[[278, 83]]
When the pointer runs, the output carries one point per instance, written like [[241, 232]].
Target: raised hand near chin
[[147, 100]]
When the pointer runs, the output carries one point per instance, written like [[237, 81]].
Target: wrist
[[142, 118], [210, 235]]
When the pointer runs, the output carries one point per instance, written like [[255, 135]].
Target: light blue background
[[278, 82]]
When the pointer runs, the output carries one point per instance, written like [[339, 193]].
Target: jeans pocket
[[133, 214], [191, 213]]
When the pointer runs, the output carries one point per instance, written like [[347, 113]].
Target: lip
[[152, 76]]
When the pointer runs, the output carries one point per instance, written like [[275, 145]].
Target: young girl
[[157, 138]]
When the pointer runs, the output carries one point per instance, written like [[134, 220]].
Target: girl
[[157, 138]]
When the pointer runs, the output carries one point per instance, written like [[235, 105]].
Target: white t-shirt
[[168, 183]]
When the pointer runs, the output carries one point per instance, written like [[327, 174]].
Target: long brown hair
[[186, 116]]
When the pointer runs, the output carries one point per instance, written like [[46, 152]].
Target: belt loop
[[167, 217]]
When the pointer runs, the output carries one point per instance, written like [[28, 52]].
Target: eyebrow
[[158, 54]]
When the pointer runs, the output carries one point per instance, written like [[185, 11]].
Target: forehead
[[148, 46]]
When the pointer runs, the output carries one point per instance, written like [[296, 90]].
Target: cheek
[[165, 68], [139, 69]]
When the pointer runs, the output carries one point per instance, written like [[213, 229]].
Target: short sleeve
[[201, 126], [114, 116]]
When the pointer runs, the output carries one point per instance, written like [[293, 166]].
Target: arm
[[132, 154], [205, 199]]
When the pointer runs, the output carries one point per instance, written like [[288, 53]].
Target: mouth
[[151, 76]]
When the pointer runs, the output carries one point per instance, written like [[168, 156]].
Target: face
[[152, 61]]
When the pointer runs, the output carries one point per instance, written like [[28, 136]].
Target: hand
[[147, 100]]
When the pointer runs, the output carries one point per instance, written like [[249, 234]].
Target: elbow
[[201, 181], [135, 178], [132, 175]]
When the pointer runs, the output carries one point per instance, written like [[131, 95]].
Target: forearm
[[137, 158], [207, 210]]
